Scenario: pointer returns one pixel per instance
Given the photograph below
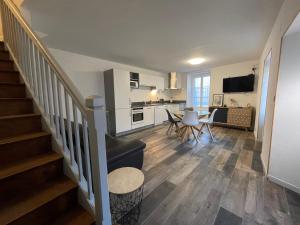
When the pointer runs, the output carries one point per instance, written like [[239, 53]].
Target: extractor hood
[[173, 82]]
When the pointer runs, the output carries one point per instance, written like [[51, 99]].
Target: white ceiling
[[157, 34]]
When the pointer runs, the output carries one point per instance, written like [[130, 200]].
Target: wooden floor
[[210, 183]]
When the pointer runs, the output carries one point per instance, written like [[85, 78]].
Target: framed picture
[[218, 100]]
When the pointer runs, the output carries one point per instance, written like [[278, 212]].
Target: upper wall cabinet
[[146, 80], [160, 83], [152, 81]]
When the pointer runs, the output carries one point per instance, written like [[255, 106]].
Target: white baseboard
[[284, 184]]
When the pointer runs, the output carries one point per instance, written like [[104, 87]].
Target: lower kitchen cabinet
[[173, 108], [160, 114], [148, 115], [123, 120]]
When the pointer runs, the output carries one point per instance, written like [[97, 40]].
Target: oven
[[137, 117]]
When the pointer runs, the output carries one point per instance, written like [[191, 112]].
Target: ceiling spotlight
[[196, 61]]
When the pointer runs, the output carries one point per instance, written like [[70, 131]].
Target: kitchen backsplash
[[139, 95]]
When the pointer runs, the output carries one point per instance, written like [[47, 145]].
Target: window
[[200, 89]]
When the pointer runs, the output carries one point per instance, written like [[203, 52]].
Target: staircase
[[33, 187]]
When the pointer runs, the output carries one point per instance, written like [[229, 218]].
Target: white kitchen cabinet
[[173, 108], [121, 89], [160, 114], [148, 115], [152, 81], [117, 100], [123, 120], [160, 83], [146, 80]]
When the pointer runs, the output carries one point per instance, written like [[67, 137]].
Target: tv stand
[[239, 117]]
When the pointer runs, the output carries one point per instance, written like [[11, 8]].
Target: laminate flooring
[[210, 183]]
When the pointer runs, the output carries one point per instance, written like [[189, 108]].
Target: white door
[[263, 98], [123, 120], [122, 89]]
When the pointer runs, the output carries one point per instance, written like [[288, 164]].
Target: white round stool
[[125, 187]]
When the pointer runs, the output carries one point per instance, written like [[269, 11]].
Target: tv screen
[[239, 84]]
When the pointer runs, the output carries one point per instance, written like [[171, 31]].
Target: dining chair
[[207, 122], [173, 122], [190, 121]]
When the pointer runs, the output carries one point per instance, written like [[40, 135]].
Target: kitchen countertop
[[154, 103]]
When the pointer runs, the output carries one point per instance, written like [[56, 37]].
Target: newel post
[[96, 118]]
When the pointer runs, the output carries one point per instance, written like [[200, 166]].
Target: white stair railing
[[77, 125]]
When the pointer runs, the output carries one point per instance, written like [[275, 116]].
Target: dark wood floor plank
[[220, 159], [230, 165], [151, 202], [230, 143], [256, 162], [226, 217], [254, 205], [235, 196], [209, 209], [244, 161]]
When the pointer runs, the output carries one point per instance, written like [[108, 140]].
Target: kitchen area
[[137, 101]]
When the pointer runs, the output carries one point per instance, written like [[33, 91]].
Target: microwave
[[134, 84], [134, 80]]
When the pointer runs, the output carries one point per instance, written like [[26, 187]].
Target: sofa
[[124, 153]]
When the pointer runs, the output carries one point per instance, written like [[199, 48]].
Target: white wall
[[233, 70], [285, 151], [87, 74], [288, 12]]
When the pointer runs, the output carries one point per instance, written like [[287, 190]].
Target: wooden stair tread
[[23, 137], [6, 60], [9, 71], [19, 207], [15, 99], [20, 116], [12, 84], [75, 216], [27, 164]]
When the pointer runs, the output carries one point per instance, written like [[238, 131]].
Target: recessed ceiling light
[[196, 61]]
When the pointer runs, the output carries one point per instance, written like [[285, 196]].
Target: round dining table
[[201, 114]]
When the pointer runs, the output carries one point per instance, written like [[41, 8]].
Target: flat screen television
[[239, 84]]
